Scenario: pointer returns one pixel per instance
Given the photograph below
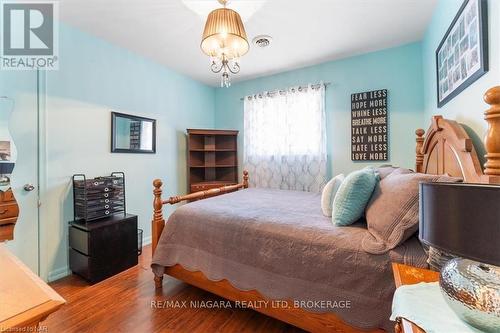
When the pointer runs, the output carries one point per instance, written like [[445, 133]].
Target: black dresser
[[103, 248]]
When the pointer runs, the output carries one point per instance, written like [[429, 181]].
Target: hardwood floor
[[123, 303]]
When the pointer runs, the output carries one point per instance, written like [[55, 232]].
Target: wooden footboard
[[159, 222], [283, 310]]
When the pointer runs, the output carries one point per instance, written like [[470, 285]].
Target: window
[[284, 138]]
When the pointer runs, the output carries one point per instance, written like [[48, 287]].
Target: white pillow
[[329, 192]]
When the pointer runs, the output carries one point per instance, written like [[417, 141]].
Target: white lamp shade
[[224, 34]]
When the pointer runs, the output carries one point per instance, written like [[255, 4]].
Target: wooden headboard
[[447, 148]]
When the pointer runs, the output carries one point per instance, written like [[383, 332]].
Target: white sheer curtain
[[285, 139]]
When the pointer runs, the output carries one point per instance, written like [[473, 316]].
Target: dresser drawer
[[99, 184], [7, 232], [105, 242], [79, 240], [102, 195], [95, 269], [6, 196], [8, 210], [196, 188], [204, 187]]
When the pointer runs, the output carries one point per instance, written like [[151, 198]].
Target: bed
[[286, 249], [247, 245]]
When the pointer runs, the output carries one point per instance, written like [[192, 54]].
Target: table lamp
[[464, 220]]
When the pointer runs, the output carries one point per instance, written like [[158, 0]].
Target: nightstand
[[103, 248], [404, 274]]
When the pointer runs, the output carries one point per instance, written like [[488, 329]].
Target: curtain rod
[[314, 86]]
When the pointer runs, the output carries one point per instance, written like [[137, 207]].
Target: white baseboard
[[58, 273]]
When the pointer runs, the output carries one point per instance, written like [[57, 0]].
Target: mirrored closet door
[[19, 166]]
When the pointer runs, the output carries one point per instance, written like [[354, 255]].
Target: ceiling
[[304, 32]]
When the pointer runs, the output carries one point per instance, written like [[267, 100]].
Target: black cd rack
[[99, 197]]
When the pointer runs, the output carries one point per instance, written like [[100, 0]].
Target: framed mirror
[[132, 134]]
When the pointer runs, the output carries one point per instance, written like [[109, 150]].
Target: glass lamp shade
[[224, 34]]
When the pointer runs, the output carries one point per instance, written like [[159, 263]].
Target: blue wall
[[398, 69], [95, 78], [468, 107]]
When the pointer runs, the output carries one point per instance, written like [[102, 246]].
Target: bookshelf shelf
[[212, 158]]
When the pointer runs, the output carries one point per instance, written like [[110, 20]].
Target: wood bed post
[[419, 155], [157, 224], [245, 179], [492, 137], [158, 221]]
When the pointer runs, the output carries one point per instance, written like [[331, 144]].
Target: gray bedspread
[[279, 243]]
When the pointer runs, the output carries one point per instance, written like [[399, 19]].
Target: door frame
[[43, 260]]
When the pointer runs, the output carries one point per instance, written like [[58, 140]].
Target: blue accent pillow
[[353, 196]]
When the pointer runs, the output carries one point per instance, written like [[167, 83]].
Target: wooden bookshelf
[[212, 158]]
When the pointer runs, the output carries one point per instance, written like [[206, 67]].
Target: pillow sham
[[386, 170], [393, 211], [329, 192], [353, 195]]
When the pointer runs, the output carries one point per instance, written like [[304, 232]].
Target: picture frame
[[370, 126], [132, 134], [462, 54]]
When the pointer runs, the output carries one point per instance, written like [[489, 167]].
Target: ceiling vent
[[262, 41]]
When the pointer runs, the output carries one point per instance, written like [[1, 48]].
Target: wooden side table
[[25, 300], [404, 274]]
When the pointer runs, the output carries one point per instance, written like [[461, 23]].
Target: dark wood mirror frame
[[115, 149]]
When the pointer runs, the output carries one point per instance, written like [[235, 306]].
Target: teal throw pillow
[[353, 196]]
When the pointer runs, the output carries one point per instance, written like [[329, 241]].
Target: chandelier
[[224, 41]]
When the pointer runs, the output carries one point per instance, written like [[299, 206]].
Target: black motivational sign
[[369, 127]]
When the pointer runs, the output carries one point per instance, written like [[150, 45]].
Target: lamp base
[[437, 259], [472, 290]]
